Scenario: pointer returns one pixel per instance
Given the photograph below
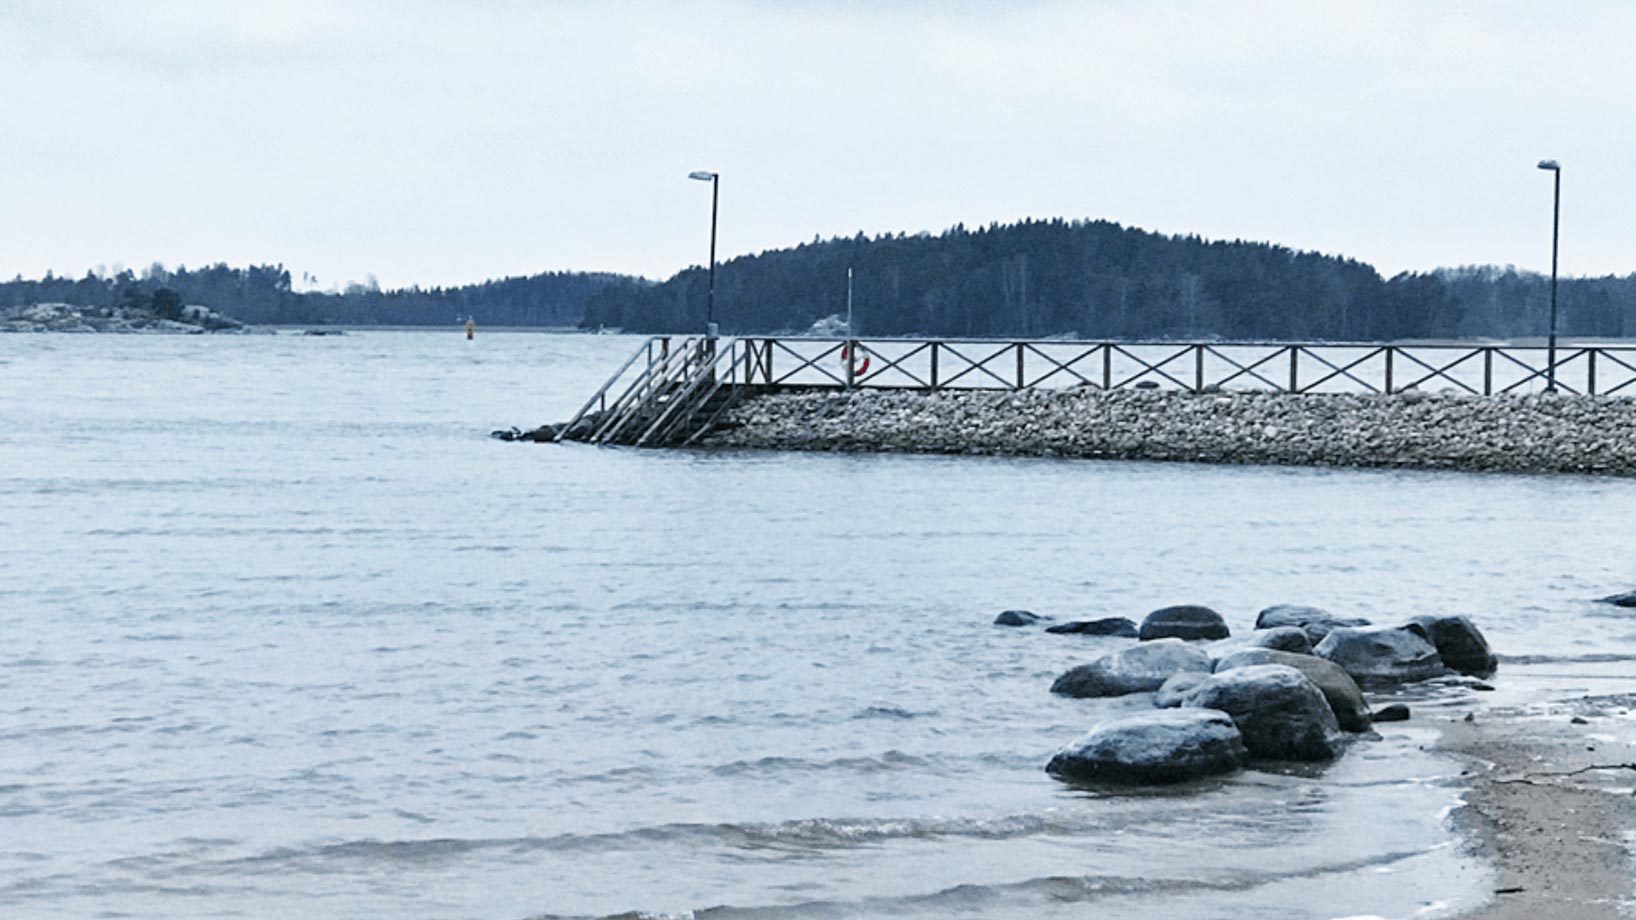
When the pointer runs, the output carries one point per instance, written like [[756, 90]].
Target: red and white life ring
[[858, 370]]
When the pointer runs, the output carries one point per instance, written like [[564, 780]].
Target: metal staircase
[[672, 401]]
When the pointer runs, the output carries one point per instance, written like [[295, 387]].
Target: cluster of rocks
[[1541, 432], [1291, 690], [61, 317]]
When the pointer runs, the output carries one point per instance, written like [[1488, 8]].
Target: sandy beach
[[1552, 805]]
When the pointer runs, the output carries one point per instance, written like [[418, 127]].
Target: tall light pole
[[1556, 223], [714, 179]]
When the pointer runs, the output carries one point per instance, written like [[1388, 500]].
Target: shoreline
[[1551, 806], [1538, 433]]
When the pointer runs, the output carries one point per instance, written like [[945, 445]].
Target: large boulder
[[1337, 686], [1138, 669], [1281, 714], [1378, 656], [1281, 638], [1176, 688], [1160, 746], [1459, 643], [1316, 623], [1107, 626], [1187, 621], [1017, 618]]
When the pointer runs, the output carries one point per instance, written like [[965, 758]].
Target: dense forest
[[1091, 279], [1096, 279], [263, 294]]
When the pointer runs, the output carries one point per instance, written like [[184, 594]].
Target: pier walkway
[[673, 389]]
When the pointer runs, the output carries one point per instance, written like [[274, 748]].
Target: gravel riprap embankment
[[1533, 433]]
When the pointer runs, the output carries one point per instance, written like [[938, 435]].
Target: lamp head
[[1549, 164], [703, 175]]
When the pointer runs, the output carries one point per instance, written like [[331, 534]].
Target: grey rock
[[1017, 618], [1158, 747], [1315, 622], [1281, 714], [1459, 643], [1176, 687], [1396, 712], [1138, 669], [1627, 599], [1382, 655], [1107, 626], [1339, 689], [1186, 621], [1281, 638]]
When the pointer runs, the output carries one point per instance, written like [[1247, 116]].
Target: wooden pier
[[674, 389]]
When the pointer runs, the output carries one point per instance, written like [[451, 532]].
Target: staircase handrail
[[646, 347]]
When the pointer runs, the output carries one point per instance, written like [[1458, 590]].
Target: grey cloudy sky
[[438, 143]]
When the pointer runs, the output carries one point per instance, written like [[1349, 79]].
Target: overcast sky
[[439, 143]]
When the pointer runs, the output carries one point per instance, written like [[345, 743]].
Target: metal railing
[[672, 398], [1280, 367], [682, 388]]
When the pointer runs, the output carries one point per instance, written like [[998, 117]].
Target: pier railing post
[[934, 365], [1488, 371], [1389, 370], [1198, 368], [849, 352], [1021, 381], [1590, 371], [1107, 366], [1294, 369]]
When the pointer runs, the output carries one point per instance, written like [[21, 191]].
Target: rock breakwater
[[1528, 433]]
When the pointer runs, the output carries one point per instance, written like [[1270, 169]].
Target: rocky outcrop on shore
[[1287, 705], [1532, 433], [62, 317]]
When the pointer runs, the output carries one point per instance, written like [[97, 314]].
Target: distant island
[[263, 295], [169, 316], [1035, 278]]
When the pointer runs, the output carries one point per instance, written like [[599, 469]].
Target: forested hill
[[1096, 279], [1091, 279], [263, 294]]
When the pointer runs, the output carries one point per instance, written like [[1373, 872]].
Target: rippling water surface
[[283, 633]]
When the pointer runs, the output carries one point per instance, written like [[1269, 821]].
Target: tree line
[[1097, 279], [1089, 279], [263, 294]]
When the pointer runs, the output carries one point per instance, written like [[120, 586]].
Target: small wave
[[1591, 658], [1040, 894], [798, 835], [891, 760], [890, 712]]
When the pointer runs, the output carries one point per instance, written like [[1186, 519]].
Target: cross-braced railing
[[1282, 367], [672, 391]]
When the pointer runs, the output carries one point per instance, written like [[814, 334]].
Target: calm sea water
[[284, 633]]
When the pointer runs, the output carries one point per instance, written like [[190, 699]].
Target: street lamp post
[[1556, 223], [714, 179]]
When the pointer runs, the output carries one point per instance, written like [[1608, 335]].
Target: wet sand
[[1553, 805]]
